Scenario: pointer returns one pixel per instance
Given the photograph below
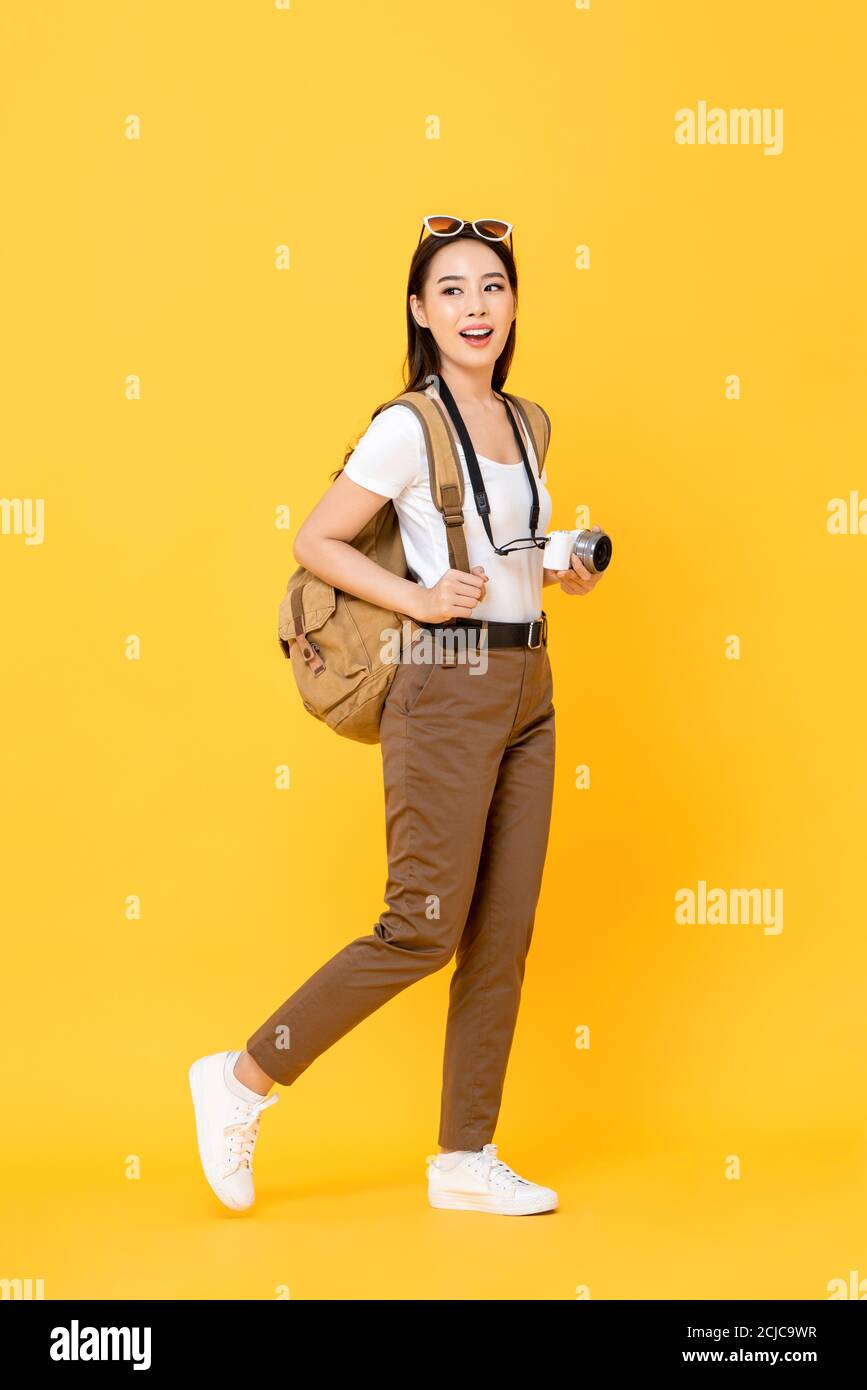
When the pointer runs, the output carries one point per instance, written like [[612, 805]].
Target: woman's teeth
[[476, 336]]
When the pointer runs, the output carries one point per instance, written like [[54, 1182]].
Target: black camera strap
[[480, 496]]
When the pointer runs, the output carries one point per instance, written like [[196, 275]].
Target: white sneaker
[[227, 1128], [482, 1182]]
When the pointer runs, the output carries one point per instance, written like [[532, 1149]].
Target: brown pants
[[468, 762]]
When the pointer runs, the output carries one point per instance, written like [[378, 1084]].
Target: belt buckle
[[543, 623]]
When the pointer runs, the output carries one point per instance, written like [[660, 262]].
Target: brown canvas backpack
[[335, 640]]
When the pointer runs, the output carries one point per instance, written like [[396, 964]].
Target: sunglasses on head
[[490, 228]]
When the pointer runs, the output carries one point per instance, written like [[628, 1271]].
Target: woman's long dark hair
[[422, 353]]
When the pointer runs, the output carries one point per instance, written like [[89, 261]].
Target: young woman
[[467, 747]]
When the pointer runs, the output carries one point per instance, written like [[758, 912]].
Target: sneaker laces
[[243, 1133], [489, 1163], [493, 1165]]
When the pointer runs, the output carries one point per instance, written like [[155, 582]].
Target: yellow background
[[156, 777]]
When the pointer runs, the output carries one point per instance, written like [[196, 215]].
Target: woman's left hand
[[578, 579]]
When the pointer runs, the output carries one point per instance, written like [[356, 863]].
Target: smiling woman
[[482, 299], [468, 764]]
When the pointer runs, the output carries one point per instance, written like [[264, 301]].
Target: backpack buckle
[[308, 649]]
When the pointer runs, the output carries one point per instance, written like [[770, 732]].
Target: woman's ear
[[417, 311]]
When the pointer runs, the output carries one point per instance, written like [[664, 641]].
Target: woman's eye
[[492, 286]]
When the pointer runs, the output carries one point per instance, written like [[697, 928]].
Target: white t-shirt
[[391, 459]]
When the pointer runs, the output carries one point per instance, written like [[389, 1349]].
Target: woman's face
[[467, 287]]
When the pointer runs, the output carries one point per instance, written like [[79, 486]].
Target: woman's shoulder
[[394, 426], [389, 456], [397, 426], [539, 420], [400, 419], [530, 402]]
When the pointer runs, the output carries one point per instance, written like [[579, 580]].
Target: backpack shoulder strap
[[446, 475], [536, 422]]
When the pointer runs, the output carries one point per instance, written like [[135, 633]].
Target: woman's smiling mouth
[[476, 336]]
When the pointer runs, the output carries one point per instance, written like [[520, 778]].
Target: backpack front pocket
[[329, 659]]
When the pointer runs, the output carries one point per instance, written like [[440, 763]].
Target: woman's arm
[[322, 546]]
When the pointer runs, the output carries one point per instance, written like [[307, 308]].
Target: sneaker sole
[[479, 1201], [197, 1092]]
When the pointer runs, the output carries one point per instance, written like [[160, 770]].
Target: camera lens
[[593, 549], [602, 553]]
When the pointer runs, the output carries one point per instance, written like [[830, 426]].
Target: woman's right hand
[[454, 595]]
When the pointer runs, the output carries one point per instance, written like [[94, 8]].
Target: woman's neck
[[469, 388]]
